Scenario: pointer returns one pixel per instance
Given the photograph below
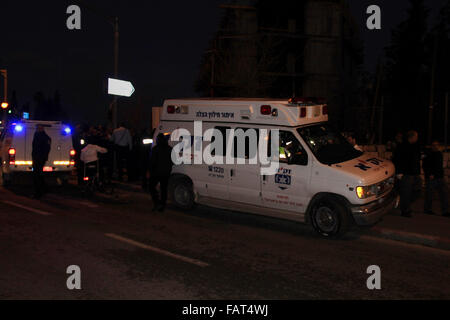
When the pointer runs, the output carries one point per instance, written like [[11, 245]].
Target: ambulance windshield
[[329, 146]]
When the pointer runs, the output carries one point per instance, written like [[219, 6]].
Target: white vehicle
[[16, 143], [322, 179]]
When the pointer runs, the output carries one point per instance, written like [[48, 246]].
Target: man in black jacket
[[434, 179], [160, 170], [407, 162], [41, 148]]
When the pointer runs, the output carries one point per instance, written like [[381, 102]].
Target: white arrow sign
[[120, 88]]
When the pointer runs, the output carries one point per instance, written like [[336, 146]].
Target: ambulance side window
[[196, 143], [223, 131], [250, 148]]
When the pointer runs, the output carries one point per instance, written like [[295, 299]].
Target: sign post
[[118, 88], [446, 122], [4, 74]]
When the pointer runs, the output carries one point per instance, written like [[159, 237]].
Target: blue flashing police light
[[67, 131], [18, 128]]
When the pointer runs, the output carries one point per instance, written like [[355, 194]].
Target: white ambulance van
[[16, 143], [322, 180]]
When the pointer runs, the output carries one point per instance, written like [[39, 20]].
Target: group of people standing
[[120, 143], [407, 157], [132, 157], [99, 145]]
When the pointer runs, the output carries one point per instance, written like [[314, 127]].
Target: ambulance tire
[[330, 218], [182, 193]]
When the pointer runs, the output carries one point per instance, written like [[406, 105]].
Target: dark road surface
[[125, 251]]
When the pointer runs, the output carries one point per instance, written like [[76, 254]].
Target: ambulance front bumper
[[373, 212]]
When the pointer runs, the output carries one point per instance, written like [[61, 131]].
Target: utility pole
[[432, 84], [212, 81], [114, 21], [375, 100], [4, 74], [116, 69], [380, 123], [213, 66], [446, 122]]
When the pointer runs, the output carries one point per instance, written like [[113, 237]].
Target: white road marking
[[157, 250], [389, 232], [72, 201], [405, 244], [44, 213], [89, 205]]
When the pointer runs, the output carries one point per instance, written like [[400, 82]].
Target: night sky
[[161, 46]]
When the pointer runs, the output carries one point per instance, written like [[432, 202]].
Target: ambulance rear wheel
[[183, 194], [330, 218]]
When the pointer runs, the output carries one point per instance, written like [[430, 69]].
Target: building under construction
[[284, 48]]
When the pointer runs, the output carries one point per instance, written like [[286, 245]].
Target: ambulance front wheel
[[330, 218], [183, 194]]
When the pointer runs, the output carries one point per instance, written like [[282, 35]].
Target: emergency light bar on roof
[[308, 101], [252, 111]]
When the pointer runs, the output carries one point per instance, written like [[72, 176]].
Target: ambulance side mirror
[[299, 159]]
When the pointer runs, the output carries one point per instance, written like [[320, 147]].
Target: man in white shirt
[[90, 153], [123, 144], [121, 137]]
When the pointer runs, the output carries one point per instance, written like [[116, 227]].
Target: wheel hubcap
[[182, 195], [325, 219]]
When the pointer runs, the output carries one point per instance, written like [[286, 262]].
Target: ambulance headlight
[[366, 192]]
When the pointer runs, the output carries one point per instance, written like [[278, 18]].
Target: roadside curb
[[413, 238]]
